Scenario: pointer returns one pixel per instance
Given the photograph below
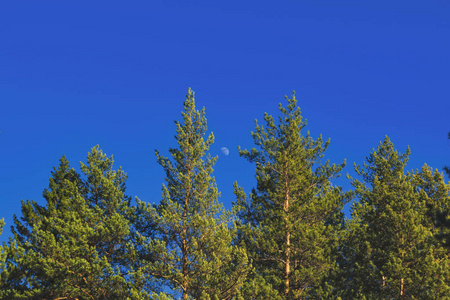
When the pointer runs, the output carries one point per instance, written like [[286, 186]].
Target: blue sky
[[77, 74]]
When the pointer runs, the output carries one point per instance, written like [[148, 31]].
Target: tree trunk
[[403, 254], [288, 263], [185, 250], [184, 236], [185, 270], [401, 288], [288, 241]]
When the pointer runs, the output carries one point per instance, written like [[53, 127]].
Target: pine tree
[[436, 193], [74, 247], [391, 251], [290, 222], [24, 276], [190, 248]]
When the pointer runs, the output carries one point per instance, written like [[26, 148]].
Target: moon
[[225, 151]]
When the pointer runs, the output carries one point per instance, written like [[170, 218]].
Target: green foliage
[[190, 247], [290, 224], [287, 239], [76, 246], [391, 249], [436, 194]]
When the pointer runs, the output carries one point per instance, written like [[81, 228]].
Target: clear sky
[[74, 74]]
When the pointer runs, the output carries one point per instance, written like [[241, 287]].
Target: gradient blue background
[[76, 74]]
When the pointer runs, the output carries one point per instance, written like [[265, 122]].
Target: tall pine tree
[[391, 250], [190, 248], [290, 222], [76, 246]]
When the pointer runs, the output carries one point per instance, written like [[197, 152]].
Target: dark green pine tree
[[113, 232], [76, 246], [290, 224], [391, 249], [191, 248], [23, 276]]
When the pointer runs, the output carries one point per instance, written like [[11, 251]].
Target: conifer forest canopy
[[286, 238]]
